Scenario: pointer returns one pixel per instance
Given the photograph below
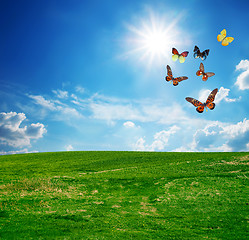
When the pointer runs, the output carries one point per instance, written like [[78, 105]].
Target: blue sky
[[90, 75]]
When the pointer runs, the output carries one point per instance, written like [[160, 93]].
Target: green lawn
[[124, 195]]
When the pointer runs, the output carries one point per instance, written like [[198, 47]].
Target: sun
[[151, 39]]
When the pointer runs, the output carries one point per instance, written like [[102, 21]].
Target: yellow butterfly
[[222, 37]]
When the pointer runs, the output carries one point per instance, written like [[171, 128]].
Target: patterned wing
[[169, 73], [211, 106], [174, 51], [184, 54], [179, 79], [210, 74], [196, 49], [195, 102], [201, 67], [204, 54], [196, 52], [200, 71], [204, 77], [200, 109], [211, 97]]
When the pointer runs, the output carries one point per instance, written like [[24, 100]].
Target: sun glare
[[152, 39]]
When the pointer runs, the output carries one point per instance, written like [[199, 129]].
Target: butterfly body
[[205, 75], [181, 56], [170, 77], [208, 104], [222, 37], [198, 54]]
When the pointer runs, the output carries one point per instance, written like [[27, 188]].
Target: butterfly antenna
[[206, 109]]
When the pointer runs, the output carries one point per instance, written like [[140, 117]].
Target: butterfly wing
[[184, 54], [200, 109], [196, 52], [201, 70], [204, 54], [204, 77], [196, 103], [169, 73], [226, 41], [211, 106], [222, 35], [211, 97], [175, 57], [196, 49], [201, 67], [210, 74], [179, 79], [181, 59], [174, 51]]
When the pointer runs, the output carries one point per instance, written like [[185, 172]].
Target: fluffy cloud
[[243, 79], [161, 140], [13, 135], [222, 137], [129, 124]]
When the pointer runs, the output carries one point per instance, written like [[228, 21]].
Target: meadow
[[124, 195]]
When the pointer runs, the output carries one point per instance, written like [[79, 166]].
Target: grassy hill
[[124, 195]]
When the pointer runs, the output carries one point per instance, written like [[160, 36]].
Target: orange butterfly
[[171, 78], [205, 76], [181, 56], [209, 103]]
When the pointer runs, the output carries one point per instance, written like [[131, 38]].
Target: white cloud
[[142, 111], [80, 89], [25, 150], [222, 137], [223, 94], [65, 112], [139, 145], [111, 112], [60, 93], [129, 124], [69, 147], [43, 102], [13, 135], [243, 79], [160, 141]]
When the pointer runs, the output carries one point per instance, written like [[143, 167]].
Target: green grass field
[[124, 195]]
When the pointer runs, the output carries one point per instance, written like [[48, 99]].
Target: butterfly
[[223, 38], [209, 103], [171, 78], [205, 76], [198, 54], [181, 56]]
